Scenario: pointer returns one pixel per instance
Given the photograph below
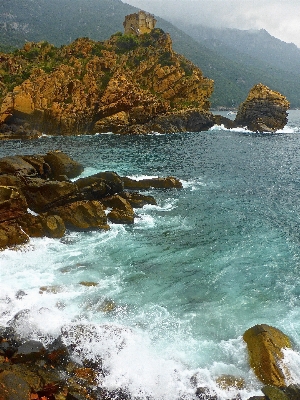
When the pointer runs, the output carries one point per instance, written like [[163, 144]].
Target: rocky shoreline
[[37, 197], [28, 370]]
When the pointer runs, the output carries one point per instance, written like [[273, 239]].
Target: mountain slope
[[257, 44]]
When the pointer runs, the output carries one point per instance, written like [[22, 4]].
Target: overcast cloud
[[281, 18]]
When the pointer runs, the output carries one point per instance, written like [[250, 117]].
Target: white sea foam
[[222, 128], [292, 362], [288, 129]]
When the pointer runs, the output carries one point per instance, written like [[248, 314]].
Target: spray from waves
[[222, 128], [129, 358], [286, 129]]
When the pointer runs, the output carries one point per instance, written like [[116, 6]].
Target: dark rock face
[[264, 110], [138, 200], [11, 234], [191, 120], [62, 165], [228, 123]]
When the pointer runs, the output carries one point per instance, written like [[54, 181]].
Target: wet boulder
[[265, 345], [42, 225], [13, 386], [31, 350], [93, 187], [82, 215], [156, 183], [138, 200], [54, 226], [31, 225], [12, 203], [112, 180], [11, 234], [264, 110], [61, 164], [17, 166], [10, 180], [122, 212], [42, 195], [291, 392], [38, 162]]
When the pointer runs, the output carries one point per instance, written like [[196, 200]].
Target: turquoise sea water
[[188, 278]]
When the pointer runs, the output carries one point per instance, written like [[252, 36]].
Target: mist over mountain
[[257, 44], [235, 59]]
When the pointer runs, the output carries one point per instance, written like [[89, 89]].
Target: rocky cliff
[[89, 87]]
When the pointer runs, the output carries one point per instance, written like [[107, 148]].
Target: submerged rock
[[264, 110], [265, 345]]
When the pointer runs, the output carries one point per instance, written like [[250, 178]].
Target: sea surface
[[172, 294]]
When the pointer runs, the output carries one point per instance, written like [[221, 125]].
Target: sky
[[281, 18]]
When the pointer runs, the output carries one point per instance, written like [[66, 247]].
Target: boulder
[[42, 225], [82, 215], [112, 180], [203, 393], [138, 200], [265, 345], [42, 195], [157, 183], [17, 166], [13, 386], [31, 225], [264, 110], [61, 164], [11, 180], [31, 350], [122, 212], [12, 203], [38, 162], [54, 226], [11, 234], [93, 187]]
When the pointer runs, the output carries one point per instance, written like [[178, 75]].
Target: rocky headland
[[127, 84]]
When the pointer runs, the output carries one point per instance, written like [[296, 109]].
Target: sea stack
[[264, 110]]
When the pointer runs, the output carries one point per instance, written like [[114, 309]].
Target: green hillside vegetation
[[62, 21]]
